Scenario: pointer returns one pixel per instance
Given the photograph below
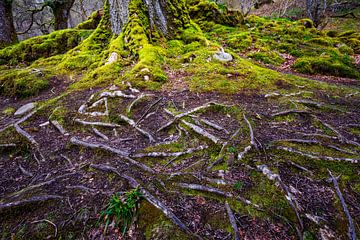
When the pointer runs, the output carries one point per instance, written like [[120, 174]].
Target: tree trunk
[[166, 16], [61, 11], [7, 30]]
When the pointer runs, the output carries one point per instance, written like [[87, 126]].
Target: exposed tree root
[[8, 145], [141, 96], [119, 152], [32, 200], [181, 115], [58, 126], [25, 172], [148, 110], [232, 221], [317, 157], [133, 124], [252, 140], [289, 112], [202, 132], [352, 232], [211, 124], [289, 196], [100, 124], [26, 135], [100, 134], [148, 196], [168, 154], [115, 94]]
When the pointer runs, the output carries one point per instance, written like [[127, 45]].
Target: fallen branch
[[232, 221], [169, 154], [133, 124], [148, 196], [32, 200], [119, 152], [317, 157], [352, 232], [50, 222]]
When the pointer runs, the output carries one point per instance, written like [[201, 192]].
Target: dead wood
[[32, 200], [169, 154], [133, 124], [181, 115], [316, 157], [100, 134], [148, 196], [26, 135], [209, 123], [232, 221], [119, 152], [352, 232]]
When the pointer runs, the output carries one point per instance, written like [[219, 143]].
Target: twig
[[352, 232], [58, 126], [48, 221], [137, 100], [26, 135], [7, 145], [232, 221], [25, 172]]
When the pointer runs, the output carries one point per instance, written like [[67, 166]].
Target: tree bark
[[7, 30], [166, 16], [61, 11]]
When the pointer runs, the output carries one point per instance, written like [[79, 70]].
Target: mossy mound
[[32, 49], [327, 65]]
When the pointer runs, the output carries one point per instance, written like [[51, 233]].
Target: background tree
[[7, 30]]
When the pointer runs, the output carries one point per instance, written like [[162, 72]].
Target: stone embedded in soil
[[24, 109], [113, 58], [223, 56]]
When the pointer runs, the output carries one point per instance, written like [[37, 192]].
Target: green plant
[[238, 185], [121, 210]]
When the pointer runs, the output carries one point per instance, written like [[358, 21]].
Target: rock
[[145, 70], [146, 78], [24, 109], [113, 58], [223, 56]]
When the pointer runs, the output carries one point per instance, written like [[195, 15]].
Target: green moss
[[241, 41], [92, 22], [52, 44], [9, 111], [59, 114], [23, 82], [328, 65], [267, 57], [193, 33]]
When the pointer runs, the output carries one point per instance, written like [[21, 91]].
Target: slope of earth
[[217, 149]]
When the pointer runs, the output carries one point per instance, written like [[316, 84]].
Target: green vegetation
[[121, 210]]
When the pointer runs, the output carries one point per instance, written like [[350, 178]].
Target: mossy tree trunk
[[61, 11], [7, 30], [168, 17]]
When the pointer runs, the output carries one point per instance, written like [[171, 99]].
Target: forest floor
[[280, 163]]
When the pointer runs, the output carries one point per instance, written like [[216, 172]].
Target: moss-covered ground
[[87, 82]]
